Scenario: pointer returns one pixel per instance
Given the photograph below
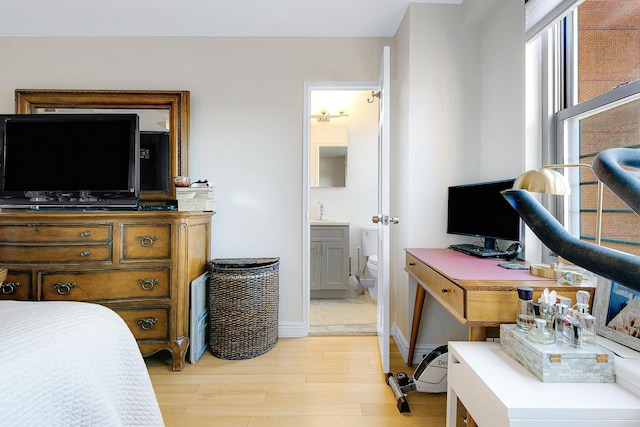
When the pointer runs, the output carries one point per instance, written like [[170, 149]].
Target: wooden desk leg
[[477, 333], [417, 315]]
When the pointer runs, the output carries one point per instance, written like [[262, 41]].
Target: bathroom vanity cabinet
[[329, 259]]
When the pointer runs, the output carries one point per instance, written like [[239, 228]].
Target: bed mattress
[[71, 364]]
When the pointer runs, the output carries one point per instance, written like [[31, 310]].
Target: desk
[[498, 392], [476, 291]]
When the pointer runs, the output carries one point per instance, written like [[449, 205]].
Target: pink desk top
[[460, 266]]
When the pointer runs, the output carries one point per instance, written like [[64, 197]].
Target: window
[[608, 37], [595, 89]]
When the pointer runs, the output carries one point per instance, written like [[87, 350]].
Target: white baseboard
[[420, 351], [292, 330]]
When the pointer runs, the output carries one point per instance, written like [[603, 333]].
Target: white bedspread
[[71, 364]]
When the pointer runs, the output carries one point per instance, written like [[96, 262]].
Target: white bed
[[71, 364]]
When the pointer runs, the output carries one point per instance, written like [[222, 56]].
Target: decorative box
[[196, 204], [194, 193], [558, 362]]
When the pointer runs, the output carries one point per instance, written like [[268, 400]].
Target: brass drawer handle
[[147, 323], [64, 288], [85, 253], [147, 284], [85, 234], [9, 287], [147, 241], [412, 263], [444, 290]]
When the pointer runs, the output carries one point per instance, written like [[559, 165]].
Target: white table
[[497, 391]]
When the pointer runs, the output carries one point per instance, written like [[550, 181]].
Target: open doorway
[[342, 170]]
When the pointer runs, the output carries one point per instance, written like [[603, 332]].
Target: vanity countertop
[[327, 222]]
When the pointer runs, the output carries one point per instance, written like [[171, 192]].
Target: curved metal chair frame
[[609, 166]]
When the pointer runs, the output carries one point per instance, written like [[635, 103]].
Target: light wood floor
[[313, 381], [346, 316]]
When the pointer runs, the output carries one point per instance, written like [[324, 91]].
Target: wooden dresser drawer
[[449, 294], [106, 285], [43, 233], [147, 323], [146, 242], [47, 254], [138, 263], [17, 286]]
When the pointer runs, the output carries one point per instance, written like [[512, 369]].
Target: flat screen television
[[69, 161], [480, 210]]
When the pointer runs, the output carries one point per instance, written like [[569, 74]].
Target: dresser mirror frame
[[32, 101]]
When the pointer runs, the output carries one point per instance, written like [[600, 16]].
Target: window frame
[[565, 88]]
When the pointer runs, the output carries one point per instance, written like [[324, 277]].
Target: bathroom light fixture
[[324, 116], [548, 181]]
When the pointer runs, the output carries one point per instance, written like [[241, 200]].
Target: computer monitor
[[480, 210]]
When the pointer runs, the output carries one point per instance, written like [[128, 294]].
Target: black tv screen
[[67, 160], [480, 210]]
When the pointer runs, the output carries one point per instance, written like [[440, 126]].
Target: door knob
[[385, 219]]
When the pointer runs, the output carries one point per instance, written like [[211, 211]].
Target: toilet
[[370, 252]]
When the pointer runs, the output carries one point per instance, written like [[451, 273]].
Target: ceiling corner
[[476, 11]]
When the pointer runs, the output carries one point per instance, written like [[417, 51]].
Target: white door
[[382, 217]]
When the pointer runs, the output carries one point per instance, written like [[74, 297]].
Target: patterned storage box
[[558, 363]]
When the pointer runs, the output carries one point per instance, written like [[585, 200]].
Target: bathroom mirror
[[332, 166], [164, 125], [328, 165]]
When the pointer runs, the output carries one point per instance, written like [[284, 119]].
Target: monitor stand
[[490, 243]]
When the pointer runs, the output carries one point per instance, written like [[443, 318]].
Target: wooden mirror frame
[[28, 101]]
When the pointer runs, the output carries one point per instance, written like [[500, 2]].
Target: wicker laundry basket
[[243, 307]]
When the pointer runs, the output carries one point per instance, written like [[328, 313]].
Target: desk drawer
[[501, 306], [450, 295]]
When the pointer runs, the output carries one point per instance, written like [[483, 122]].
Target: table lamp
[[548, 181], [619, 169]]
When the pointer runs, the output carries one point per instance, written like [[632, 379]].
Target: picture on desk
[[617, 313], [624, 310]]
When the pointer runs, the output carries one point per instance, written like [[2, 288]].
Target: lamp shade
[[543, 180]]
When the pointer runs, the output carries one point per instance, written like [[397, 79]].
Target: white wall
[[502, 92], [437, 140], [450, 68], [246, 120]]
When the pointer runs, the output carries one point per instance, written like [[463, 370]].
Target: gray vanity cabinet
[[329, 257]]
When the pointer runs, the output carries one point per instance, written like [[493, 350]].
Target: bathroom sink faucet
[[321, 211]]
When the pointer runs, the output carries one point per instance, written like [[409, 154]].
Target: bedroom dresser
[[140, 264]]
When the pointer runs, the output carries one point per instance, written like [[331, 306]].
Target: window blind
[[540, 14]]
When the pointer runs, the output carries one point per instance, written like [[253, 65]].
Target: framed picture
[[617, 312]]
